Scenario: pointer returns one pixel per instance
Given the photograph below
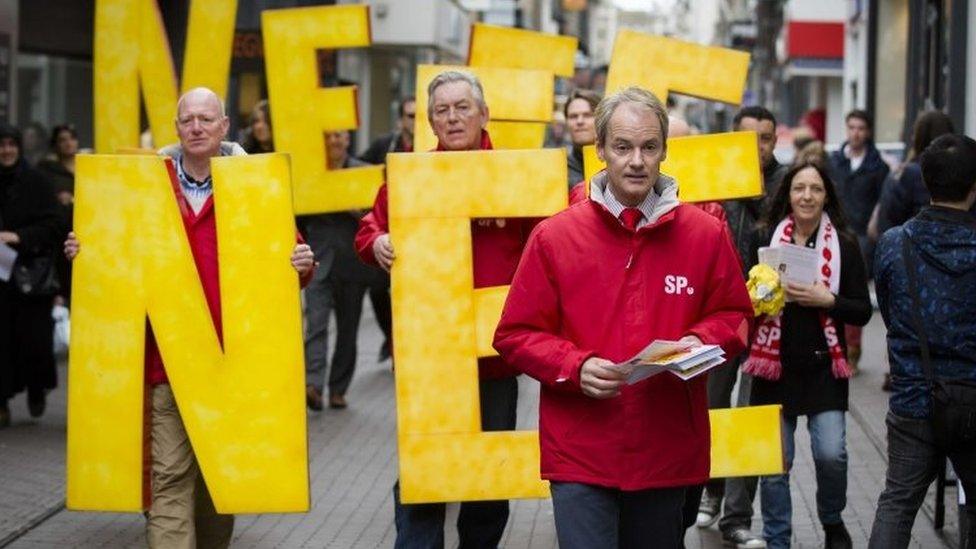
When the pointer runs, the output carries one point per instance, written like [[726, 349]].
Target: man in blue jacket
[[943, 240]]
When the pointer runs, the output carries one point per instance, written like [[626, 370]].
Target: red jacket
[[201, 230], [587, 286], [496, 247]]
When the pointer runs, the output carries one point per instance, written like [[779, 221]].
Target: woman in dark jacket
[[31, 225], [798, 358], [60, 171]]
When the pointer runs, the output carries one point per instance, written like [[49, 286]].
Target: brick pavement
[[353, 466]]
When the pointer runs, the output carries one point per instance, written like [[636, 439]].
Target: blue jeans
[[828, 439], [480, 524], [590, 516]]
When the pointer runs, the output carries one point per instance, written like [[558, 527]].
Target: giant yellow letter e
[[444, 456]]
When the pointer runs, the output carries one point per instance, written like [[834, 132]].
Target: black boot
[[836, 536], [36, 402], [4, 414]]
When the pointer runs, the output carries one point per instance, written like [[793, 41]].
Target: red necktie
[[630, 217]]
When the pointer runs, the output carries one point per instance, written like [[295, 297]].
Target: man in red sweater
[[598, 282], [182, 513], [458, 114]]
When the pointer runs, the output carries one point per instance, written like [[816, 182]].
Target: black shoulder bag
[[953, 401]]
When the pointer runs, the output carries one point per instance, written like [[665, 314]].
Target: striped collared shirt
[[196, 192], [607, 198]]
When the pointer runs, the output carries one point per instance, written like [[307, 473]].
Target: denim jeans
[[590, 516], [913, 463], [480, 524], [828, 442]]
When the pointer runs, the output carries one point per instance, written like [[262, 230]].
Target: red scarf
[[764, 357]]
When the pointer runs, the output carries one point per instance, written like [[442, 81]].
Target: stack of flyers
[[682, 359]]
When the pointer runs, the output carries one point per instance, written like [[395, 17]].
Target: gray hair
[[633, 94], [207, 91], [447, 77]]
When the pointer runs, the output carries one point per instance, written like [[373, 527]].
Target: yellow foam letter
[[303, 111], [242, 405], [493, 46], [442, 324], [707, 167], [131, 48]]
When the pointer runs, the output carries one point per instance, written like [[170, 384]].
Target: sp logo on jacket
[[677, 285]]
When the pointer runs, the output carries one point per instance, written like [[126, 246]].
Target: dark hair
[[11, 132], [861, 115], [70, 128], [928, 126], [779, 207], [589, 96], [251, 144], [755, 111], [403, 104], [949, 167]]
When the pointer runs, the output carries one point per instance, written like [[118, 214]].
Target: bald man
[[182, 514]]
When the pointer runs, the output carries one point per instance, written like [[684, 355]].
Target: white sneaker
[[743, 538], [708, 511]]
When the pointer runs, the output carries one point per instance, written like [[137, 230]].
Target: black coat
[[858, 190], [807, 385], [27, 207], [378, 149], [904, 195]]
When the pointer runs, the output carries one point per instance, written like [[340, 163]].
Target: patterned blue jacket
[[945, 256]]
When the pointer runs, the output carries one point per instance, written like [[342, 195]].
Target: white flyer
[[8, 256]]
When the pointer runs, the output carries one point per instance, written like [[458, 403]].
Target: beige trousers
[[182, 515]]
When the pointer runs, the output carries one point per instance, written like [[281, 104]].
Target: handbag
[[953, 403], [36, 276]]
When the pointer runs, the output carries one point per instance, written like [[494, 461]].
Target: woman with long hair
[[798, 357], [260, 138]]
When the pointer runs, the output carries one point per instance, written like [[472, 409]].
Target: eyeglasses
[[462, 110]]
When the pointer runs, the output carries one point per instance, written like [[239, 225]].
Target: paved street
[[353, 467]]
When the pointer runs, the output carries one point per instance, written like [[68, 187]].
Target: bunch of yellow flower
[[765, 290]]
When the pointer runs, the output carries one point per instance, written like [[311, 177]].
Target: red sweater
[[201, 230]]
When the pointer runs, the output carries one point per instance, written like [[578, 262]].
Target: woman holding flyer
[[798, 357]]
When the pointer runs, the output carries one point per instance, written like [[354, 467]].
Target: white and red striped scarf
[[764, 355]]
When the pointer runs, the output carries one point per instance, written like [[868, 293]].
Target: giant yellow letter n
[[242, 404], [440, 328], [131, 49]]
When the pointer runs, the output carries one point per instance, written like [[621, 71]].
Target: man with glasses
[[399, 140], [458, 115]]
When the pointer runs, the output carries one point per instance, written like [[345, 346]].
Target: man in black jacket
[[399, 140], [339, 285], [859, 173]]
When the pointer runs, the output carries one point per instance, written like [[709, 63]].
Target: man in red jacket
[[458, 114], [181, 513], [597, 282]]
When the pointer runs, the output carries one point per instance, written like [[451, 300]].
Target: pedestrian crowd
[[621, 475]]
